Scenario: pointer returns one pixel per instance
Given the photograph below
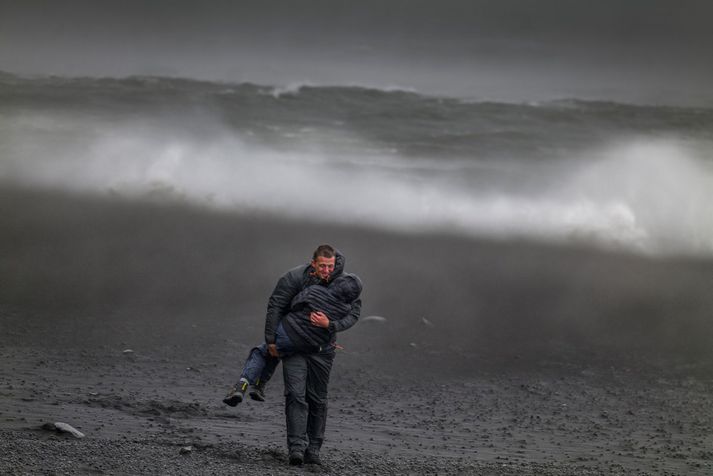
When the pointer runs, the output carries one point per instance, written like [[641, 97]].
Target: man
[[306, 372]]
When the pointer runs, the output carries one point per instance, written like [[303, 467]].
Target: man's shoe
[[257, 392], [236, 393], [296, 458], [312, 457]]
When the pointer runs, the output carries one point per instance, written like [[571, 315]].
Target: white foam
[[289, 89], [666, 185], [646, 196]]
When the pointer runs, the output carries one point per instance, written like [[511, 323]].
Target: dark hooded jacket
[[335, 300], [279, 305]]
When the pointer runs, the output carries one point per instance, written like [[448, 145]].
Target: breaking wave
[[388, 159]]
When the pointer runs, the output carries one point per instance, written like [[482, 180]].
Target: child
[[333, 300]]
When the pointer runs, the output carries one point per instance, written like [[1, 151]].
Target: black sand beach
[[523, 187], [129, 319]]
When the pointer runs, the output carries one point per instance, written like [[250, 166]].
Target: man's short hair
[[325, 251]]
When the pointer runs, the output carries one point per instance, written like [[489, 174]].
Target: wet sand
[[495, 358]]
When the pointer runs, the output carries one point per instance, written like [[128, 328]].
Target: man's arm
[[278, 305], [348, 321]]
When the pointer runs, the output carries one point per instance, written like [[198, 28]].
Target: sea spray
[[558, 172]]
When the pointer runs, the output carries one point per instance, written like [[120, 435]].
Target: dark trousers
[[306, 381]]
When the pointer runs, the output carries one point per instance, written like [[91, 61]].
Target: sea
[[636, 178]]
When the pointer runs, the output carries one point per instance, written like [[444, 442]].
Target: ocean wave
[[408, 123], [134, 82], [613, 175]]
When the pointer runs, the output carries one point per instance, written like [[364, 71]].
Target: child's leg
[[252, 370], [255, 364], [258, 369], [284, 348], [257, 389], [268, 369]]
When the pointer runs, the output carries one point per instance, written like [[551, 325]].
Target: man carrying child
[[309, 305]]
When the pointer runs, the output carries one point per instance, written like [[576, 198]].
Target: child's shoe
[[257, 391], [236, 393]]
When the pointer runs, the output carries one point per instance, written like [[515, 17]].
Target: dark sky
[[636, 50]]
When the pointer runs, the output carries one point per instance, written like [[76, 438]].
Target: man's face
[[323, 267]]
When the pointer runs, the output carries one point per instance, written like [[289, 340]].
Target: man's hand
[[319, 319], [272, 350]]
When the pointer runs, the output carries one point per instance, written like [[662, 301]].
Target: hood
[[347, 287], [339, 262]]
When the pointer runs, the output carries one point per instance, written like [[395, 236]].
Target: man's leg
[[319, 367], [294, 370]]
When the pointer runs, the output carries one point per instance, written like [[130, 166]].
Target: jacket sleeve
[[279, 304], [348, 321]]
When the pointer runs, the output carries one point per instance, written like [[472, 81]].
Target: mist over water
[[627, 191]]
